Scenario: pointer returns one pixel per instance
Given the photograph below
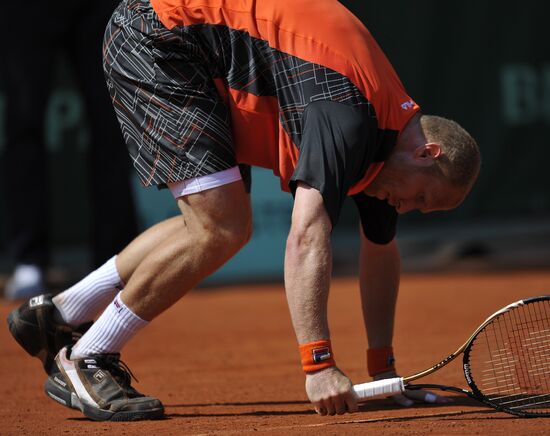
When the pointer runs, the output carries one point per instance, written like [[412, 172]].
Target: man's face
[[408, 187]]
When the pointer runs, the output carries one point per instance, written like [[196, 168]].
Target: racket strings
[[510, 359]]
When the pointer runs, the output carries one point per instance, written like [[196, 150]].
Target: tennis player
[[205, 89]]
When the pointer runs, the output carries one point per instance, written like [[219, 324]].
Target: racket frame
[[397, 385]]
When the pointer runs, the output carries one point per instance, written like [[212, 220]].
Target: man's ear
[[430, 151]]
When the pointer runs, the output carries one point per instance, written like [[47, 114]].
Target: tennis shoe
[[100, 386], [34, 327]]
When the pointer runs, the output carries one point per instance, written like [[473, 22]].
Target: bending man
[[204, 90]]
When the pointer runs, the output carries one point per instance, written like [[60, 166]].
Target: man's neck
[[411, 136]]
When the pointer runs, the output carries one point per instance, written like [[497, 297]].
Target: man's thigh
[[222, 209]]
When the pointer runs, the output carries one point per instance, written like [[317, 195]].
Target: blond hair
[[461, 159]]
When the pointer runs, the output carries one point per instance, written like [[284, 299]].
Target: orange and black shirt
[[311, 94]]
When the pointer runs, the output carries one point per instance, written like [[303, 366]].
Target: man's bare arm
[[308, 268], [379, 273]]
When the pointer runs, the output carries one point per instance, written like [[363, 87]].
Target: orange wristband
[[380, 360], [316, 356]]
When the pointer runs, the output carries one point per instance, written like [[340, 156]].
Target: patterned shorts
[[173, 120]]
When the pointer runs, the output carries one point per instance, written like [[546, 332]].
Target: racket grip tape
[[379, 388]]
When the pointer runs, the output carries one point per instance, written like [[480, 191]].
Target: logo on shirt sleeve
[[407, 105]]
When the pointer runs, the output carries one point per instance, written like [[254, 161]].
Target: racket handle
[[379, 388]]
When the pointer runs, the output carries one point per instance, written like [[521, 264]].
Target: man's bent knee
[[220, 216], [231, 238]]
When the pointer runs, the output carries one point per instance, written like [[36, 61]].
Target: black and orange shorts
[[174, 123]]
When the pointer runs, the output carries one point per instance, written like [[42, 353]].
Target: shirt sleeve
[[378, 218], [333, 152]]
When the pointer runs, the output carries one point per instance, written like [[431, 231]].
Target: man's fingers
[[339, 404], [351, 402], [331, 392], [406, 399], [427, 397], [319, 408], [329, 406], [402, 400]]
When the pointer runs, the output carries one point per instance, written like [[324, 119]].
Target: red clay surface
[[225, 362]]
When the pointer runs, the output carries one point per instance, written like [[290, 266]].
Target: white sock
[[85, 300], [112, 330]]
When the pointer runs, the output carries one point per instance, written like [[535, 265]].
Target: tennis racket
[[506, 362]]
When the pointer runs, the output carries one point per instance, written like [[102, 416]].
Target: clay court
[[224, 361]]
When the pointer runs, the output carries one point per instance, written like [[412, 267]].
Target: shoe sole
[[62, 396], [138, 415], [68, 399]]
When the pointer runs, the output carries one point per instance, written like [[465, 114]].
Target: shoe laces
[[118, 369]]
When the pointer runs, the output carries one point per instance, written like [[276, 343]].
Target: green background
[[485, 64]]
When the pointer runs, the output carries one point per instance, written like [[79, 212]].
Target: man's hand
[[331, 392], [407, 398]]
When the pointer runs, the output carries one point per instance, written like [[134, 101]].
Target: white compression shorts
[[203, 183]]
